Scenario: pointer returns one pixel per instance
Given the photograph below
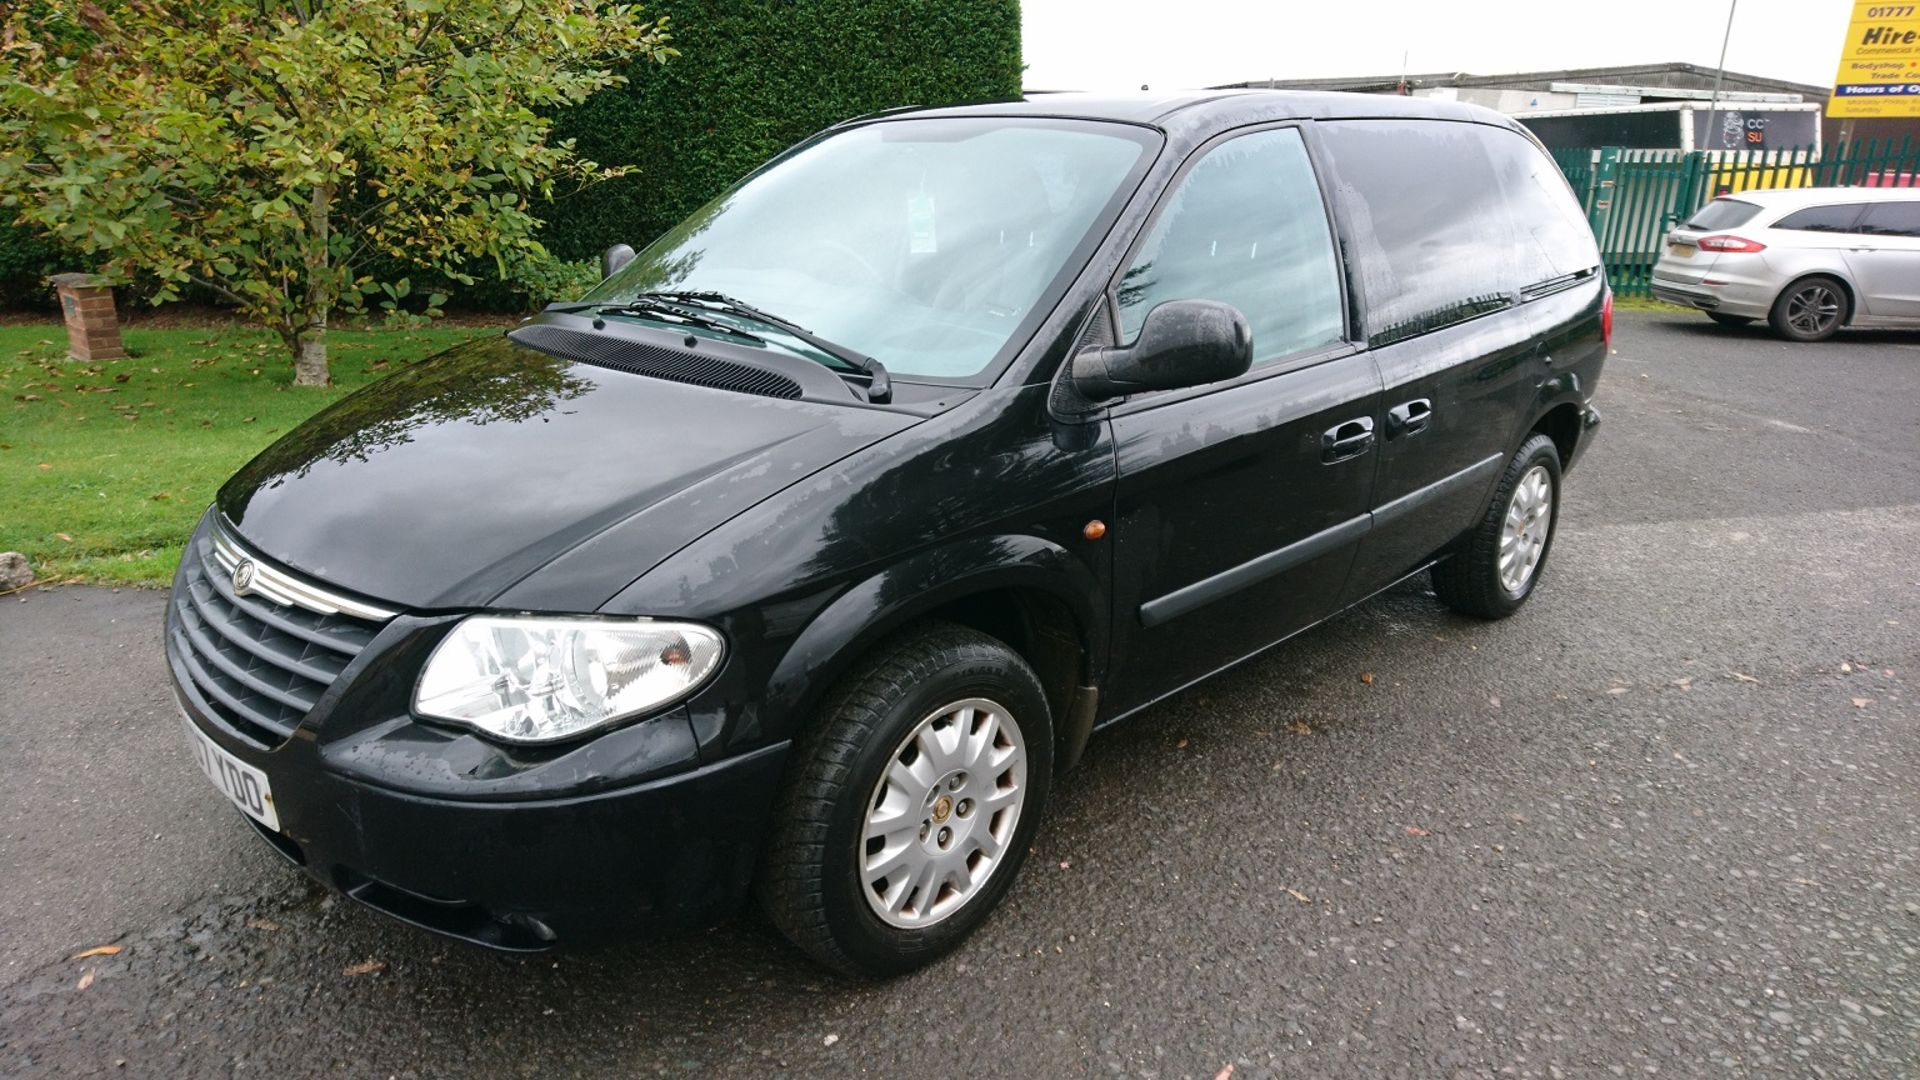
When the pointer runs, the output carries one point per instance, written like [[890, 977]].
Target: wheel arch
[[1043, 601], [1848, 292]]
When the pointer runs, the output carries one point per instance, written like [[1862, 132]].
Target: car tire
[[845, 813], [1494, 568], [1811, 309], [1730, 320]]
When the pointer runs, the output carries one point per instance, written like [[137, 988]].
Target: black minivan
[[799, 556]]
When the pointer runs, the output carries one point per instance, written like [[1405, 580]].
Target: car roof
[[1785, 198], [1201, 111]]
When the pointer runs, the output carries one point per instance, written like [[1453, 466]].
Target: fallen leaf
[[68, 537], [1300, 727], [1684, 684], [370, 967], [1366, 676], [97, 950], [262, 924], [1064, 863], [830, 1040], [1415, 830], [45, 465], [249, 419], [1225, 1073], [1618, 690], [122, 377], [1740, 677], [160, 496], [1862, 702], [1846, 668], [1298, 895], [86, 979], [1181, 745]]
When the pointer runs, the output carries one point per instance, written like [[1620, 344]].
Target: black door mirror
[[1182, 343], [612, 259]]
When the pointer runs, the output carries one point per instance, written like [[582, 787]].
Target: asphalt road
[[1662, 822]]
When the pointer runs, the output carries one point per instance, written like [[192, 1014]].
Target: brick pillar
[[93, 330]]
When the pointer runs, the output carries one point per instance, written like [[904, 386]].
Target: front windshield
[[922, 243]]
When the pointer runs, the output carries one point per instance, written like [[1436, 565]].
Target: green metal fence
[[1633, 197]]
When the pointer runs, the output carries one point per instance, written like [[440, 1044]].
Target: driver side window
[[1246, 227]]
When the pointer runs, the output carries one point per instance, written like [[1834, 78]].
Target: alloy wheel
[[1529, 522], [941, 817], [1813, 310]]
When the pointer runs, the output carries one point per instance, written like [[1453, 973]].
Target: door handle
[[1347, 440], [1410, 418]]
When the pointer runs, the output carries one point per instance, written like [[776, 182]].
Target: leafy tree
[[276, 152]]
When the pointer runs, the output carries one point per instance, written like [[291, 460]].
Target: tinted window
[[1821, 219], [1892, 219], [1430, 222], [1723, 214], [1246, 227], [1550, 235]]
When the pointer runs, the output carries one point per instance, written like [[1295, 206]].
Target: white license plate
[[1681, 251], [237, 780]]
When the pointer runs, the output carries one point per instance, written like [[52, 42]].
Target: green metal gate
[[1632, 198]]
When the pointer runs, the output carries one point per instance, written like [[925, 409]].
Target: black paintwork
[[497, 476]]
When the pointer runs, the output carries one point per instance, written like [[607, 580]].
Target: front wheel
[[1810, 309], [910, 803], [1493, 570]]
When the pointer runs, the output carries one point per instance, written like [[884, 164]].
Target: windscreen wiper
[[879, 385], [687, 314]]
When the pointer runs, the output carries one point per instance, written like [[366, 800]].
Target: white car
[[1808, 260]]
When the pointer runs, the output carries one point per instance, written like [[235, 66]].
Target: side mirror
[[1182, 343], [612, 259]]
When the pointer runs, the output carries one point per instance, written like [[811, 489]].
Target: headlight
[[533, 680]]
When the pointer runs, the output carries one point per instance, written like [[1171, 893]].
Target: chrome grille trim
[[283, 588], [248, 661]]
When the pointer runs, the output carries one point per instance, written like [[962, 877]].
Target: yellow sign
[[1880, 63]]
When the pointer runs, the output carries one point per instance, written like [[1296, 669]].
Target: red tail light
[[1606, 320], [1729, 243]]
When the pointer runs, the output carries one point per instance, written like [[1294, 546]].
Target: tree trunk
[[310, 357], [310, 361]]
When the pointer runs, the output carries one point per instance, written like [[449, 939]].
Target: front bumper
[[518, 849]]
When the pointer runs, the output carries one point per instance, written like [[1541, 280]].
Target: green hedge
[[753, 78]]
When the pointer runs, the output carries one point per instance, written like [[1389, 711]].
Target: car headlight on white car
[[533, 680]]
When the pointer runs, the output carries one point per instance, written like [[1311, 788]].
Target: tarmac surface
[[1662, 822]]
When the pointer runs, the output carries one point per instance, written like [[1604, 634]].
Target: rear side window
[[1434, 237], [1550, 235], [1723, 214], [1822, 219], [1892, 219], [1246, 227]]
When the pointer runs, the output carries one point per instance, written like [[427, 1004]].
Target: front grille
[[255, 664]]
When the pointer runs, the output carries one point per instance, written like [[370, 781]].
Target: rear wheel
[[910, 803], [1810, 309], [1729, 320], [1494, 569]]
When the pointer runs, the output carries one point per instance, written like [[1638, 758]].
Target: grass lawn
[[105, 467]]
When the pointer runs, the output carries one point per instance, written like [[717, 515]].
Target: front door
[[1884, 256], [1239, 503]]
